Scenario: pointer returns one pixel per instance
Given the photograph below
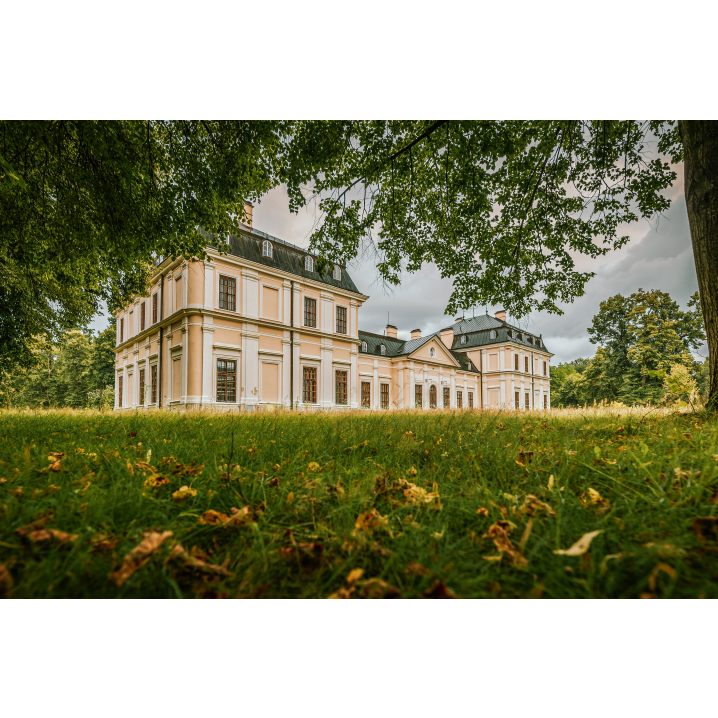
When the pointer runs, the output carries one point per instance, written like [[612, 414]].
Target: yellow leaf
[[550, 483], [355, 574], [581, 546], [183, 492], [290, 497], [130, 470], [139, 556], [148, 456], [654, 574]]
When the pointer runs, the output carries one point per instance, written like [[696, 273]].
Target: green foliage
[[679, 385], [307, 479]]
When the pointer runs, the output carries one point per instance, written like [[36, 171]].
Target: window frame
[[120, 387], [267, 249], [463, 339], [459, 398], [343, 321], [365, 399], [527, 400], [312, 314], [526, 365], [545, 401], [309, 374], [143, 312], [545, 365], [364, 347], [337, 271], [308, 260], [517, 399], [384, 398], [141, 387], [231, 282], [226, 374], [382, 349], [446, 397], [154, 308], [470, 399], [153, 383], [516, 362], [418, 396], [492, 334], [341, 387], [432, 353], [435, 405], [122, 330]]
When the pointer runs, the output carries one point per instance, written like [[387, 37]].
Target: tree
[[85, 206], [102, 359], [72, 374], [503, 207], [566, 382]]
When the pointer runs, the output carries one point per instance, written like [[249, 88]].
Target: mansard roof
[[478, 334], [400, 347], [287, 257]]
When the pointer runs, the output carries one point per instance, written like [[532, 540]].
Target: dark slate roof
[[482, 338], [399, 347], [287, 257]]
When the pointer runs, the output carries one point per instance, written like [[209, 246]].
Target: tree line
[[77, 370], [643, 355]]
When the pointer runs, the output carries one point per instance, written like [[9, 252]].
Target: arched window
[[463, 338], [432, 396], [492, 334], [382, 350], [309, 263], [363, 346], [337, 273], [267, 249], [432, 354]]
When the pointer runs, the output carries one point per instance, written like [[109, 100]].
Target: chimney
[[391, 331], [248, 207], [501, 314], [447, 336], [415, 333]]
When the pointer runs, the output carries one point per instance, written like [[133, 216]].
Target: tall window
[[267, 249], [227, 293], [447, 397], [492, 334], [418, 396], [309, 263], [337, 273], [309, 385], [142, 316], [545, 401], [471, 399], [384, 396], [365, 394], [226, 380], [526, 364], [516, 362], [153, 379], [432, 396], [340, 387], [517, 400], [527, 404], [459, 400], [382, 350], [463, 339], [122, 330], [119, 391], [142, 387], [341, 320], [364, 346], [154, 308], [310, 312], [544, 368]]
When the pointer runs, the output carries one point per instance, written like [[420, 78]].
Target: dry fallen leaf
[[290, 497], [416, 569], [654, 574], [439, 590], [483, 511], [355, 574], [179, 555], [416, 495], [581, 546], [139, 555], [42, 535], [377, 588], [550, 483], [499, 532], [370, 521], [184, 492]]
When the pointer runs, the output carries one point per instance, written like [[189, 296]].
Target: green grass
[[306, 478]]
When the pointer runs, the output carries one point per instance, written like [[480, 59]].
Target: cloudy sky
[[659, 256]]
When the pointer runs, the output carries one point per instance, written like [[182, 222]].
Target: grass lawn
[[411, 504]]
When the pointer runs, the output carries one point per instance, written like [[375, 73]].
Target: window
[[365, 394], [463, 339], [226, 380], [492, 334], [341, 320], [122, 330], [309, 385], [382, 350], [526, 364], [154, 308], [227, 293], [432, 352], [337, 273], [119, 391], [468, 366], [517, 400], [153, 379], [267, 249], [142, 316], [309, 263], [526, 404], [516, 362], [447, 397], [471, 399], [142, 387], [432, 396], [418, 396], [364, 346], [310, 312], [340, 387], [459, 399], [545, 401], [384, 396], [544, 368]]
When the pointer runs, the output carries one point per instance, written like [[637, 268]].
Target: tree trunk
[[700, 167]]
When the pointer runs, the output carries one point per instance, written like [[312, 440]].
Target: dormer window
[[267, 249], [364, 346], [309, 263], [492, 334], [468, 366], [337, 273], [382, 350], [463, 339], [432, 352]]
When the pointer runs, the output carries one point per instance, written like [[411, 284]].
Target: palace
[[259, 326]]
